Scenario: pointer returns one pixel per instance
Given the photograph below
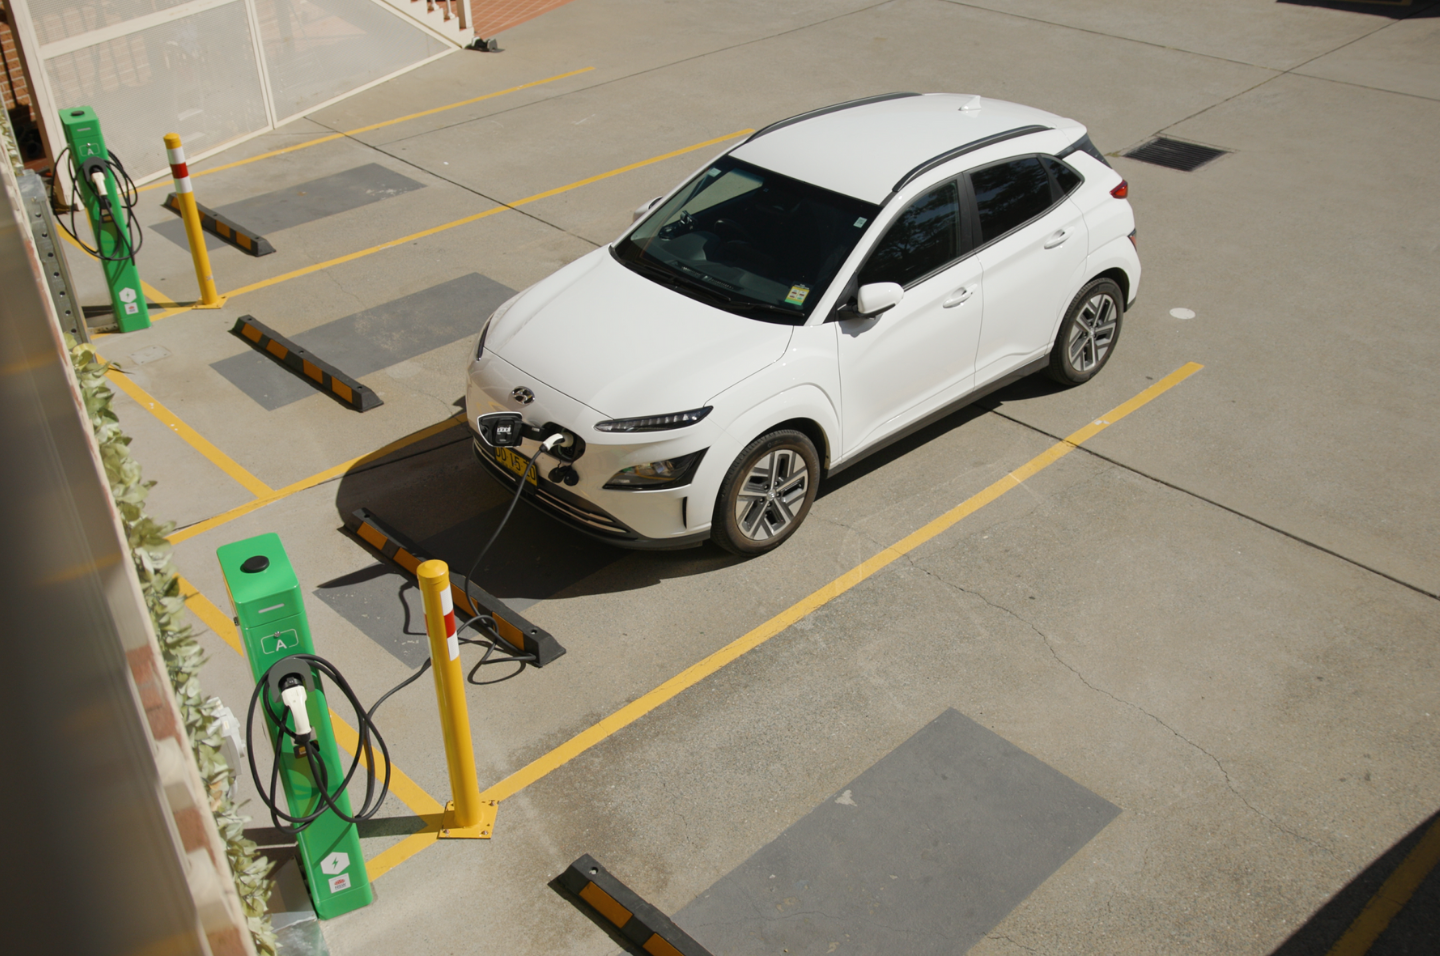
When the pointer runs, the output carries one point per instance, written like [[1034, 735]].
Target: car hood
[[626, 346]]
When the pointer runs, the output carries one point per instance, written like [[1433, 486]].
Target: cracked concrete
[[1215, 615]]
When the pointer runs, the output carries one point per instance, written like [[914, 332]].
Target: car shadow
[[1033, 386], [1394, 9], [1409, 877], [437, 495]]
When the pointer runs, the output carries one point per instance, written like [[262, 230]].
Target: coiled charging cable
[[302, 735], [129, 241]]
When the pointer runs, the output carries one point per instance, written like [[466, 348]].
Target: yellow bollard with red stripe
[[466, 815], [209, 297]]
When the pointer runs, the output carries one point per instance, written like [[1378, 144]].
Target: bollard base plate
[[480, 831], [214, 305]]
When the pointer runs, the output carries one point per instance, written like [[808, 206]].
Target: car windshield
[[747, 240]]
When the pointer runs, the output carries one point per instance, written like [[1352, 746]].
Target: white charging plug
[[548, 445], [294, 698], [98, 179]]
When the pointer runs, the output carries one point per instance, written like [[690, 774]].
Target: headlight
[[654, 423], [669, 473]]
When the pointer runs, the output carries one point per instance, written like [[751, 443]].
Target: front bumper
[[651, 518], [575, 512]]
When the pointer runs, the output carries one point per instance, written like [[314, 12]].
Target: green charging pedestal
[[271, 613], [83, 136]]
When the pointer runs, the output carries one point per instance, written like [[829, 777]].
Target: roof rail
[[948, 155], [848, 104]]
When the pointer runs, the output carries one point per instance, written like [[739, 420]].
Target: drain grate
[[1174, 154]]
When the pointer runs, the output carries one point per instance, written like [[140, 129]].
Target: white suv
[[832, 283]]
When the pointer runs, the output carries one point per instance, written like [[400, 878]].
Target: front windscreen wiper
[[744, 305], [676, 280]]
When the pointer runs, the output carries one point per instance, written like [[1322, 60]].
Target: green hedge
[[183, 654]]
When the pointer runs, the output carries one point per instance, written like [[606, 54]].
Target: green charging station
[[270, 612], [107, 218]]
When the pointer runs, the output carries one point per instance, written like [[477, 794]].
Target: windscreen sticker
[[860, 222], [797, 294]]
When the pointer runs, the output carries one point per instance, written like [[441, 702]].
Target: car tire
[[766, 494], [1088, 334]]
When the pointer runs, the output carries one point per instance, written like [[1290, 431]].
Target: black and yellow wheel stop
[[621, 912], [524, 637], [232, 232], [324, 376]]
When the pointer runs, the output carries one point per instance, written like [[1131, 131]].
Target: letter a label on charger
[[280, 641]]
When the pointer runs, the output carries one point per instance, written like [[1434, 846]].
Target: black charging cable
[[305, 744], [483, 624], [132, 237]]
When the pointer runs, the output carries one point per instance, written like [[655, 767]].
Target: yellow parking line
[[201, 527], [217, 457], [365, 129], [155, 297], [406, 790], [152, 294], [1392, 896], [692, 675], [633, 166], [386, 860], [350, 257]]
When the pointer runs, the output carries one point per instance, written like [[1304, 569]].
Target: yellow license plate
[[516, 462]]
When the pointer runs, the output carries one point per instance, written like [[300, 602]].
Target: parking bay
[[1251, 705]]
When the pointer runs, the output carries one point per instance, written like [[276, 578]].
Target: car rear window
[[1065, 177], [1009, 194]]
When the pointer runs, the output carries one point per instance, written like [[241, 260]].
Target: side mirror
[[643, 208], [878, 297]]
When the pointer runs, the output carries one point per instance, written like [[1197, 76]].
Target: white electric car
[[830, 284]]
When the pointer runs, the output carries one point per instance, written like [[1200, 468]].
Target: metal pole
[[184, 192], [465, 811]]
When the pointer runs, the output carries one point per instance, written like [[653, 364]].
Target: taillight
[[1121, 191]]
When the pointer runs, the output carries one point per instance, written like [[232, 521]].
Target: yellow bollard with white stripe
[[466, 815], [209, 297]]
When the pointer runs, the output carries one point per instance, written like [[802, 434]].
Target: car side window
[[1009, 194], [925, 237], [1065, 177]]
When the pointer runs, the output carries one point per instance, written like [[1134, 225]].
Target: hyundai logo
[[523, 395]]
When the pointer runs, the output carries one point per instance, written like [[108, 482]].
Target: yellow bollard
[[209, 298], [466, 815]]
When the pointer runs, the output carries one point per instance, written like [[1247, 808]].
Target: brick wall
[[12, 77], [489, 17]]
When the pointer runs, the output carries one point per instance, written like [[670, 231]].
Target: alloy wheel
[[773, 492], [1092, 333]]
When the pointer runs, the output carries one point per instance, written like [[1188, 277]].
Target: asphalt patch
[[306, 202], [924, 853], [366, 342]]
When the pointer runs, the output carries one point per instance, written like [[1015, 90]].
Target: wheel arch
[[1120, 278], [812, 430], [806, 408]]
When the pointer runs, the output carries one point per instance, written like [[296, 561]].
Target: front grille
[[572, 509], [1175, 154]]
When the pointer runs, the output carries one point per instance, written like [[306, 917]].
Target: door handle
[[1058, 238], [959, 296]]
